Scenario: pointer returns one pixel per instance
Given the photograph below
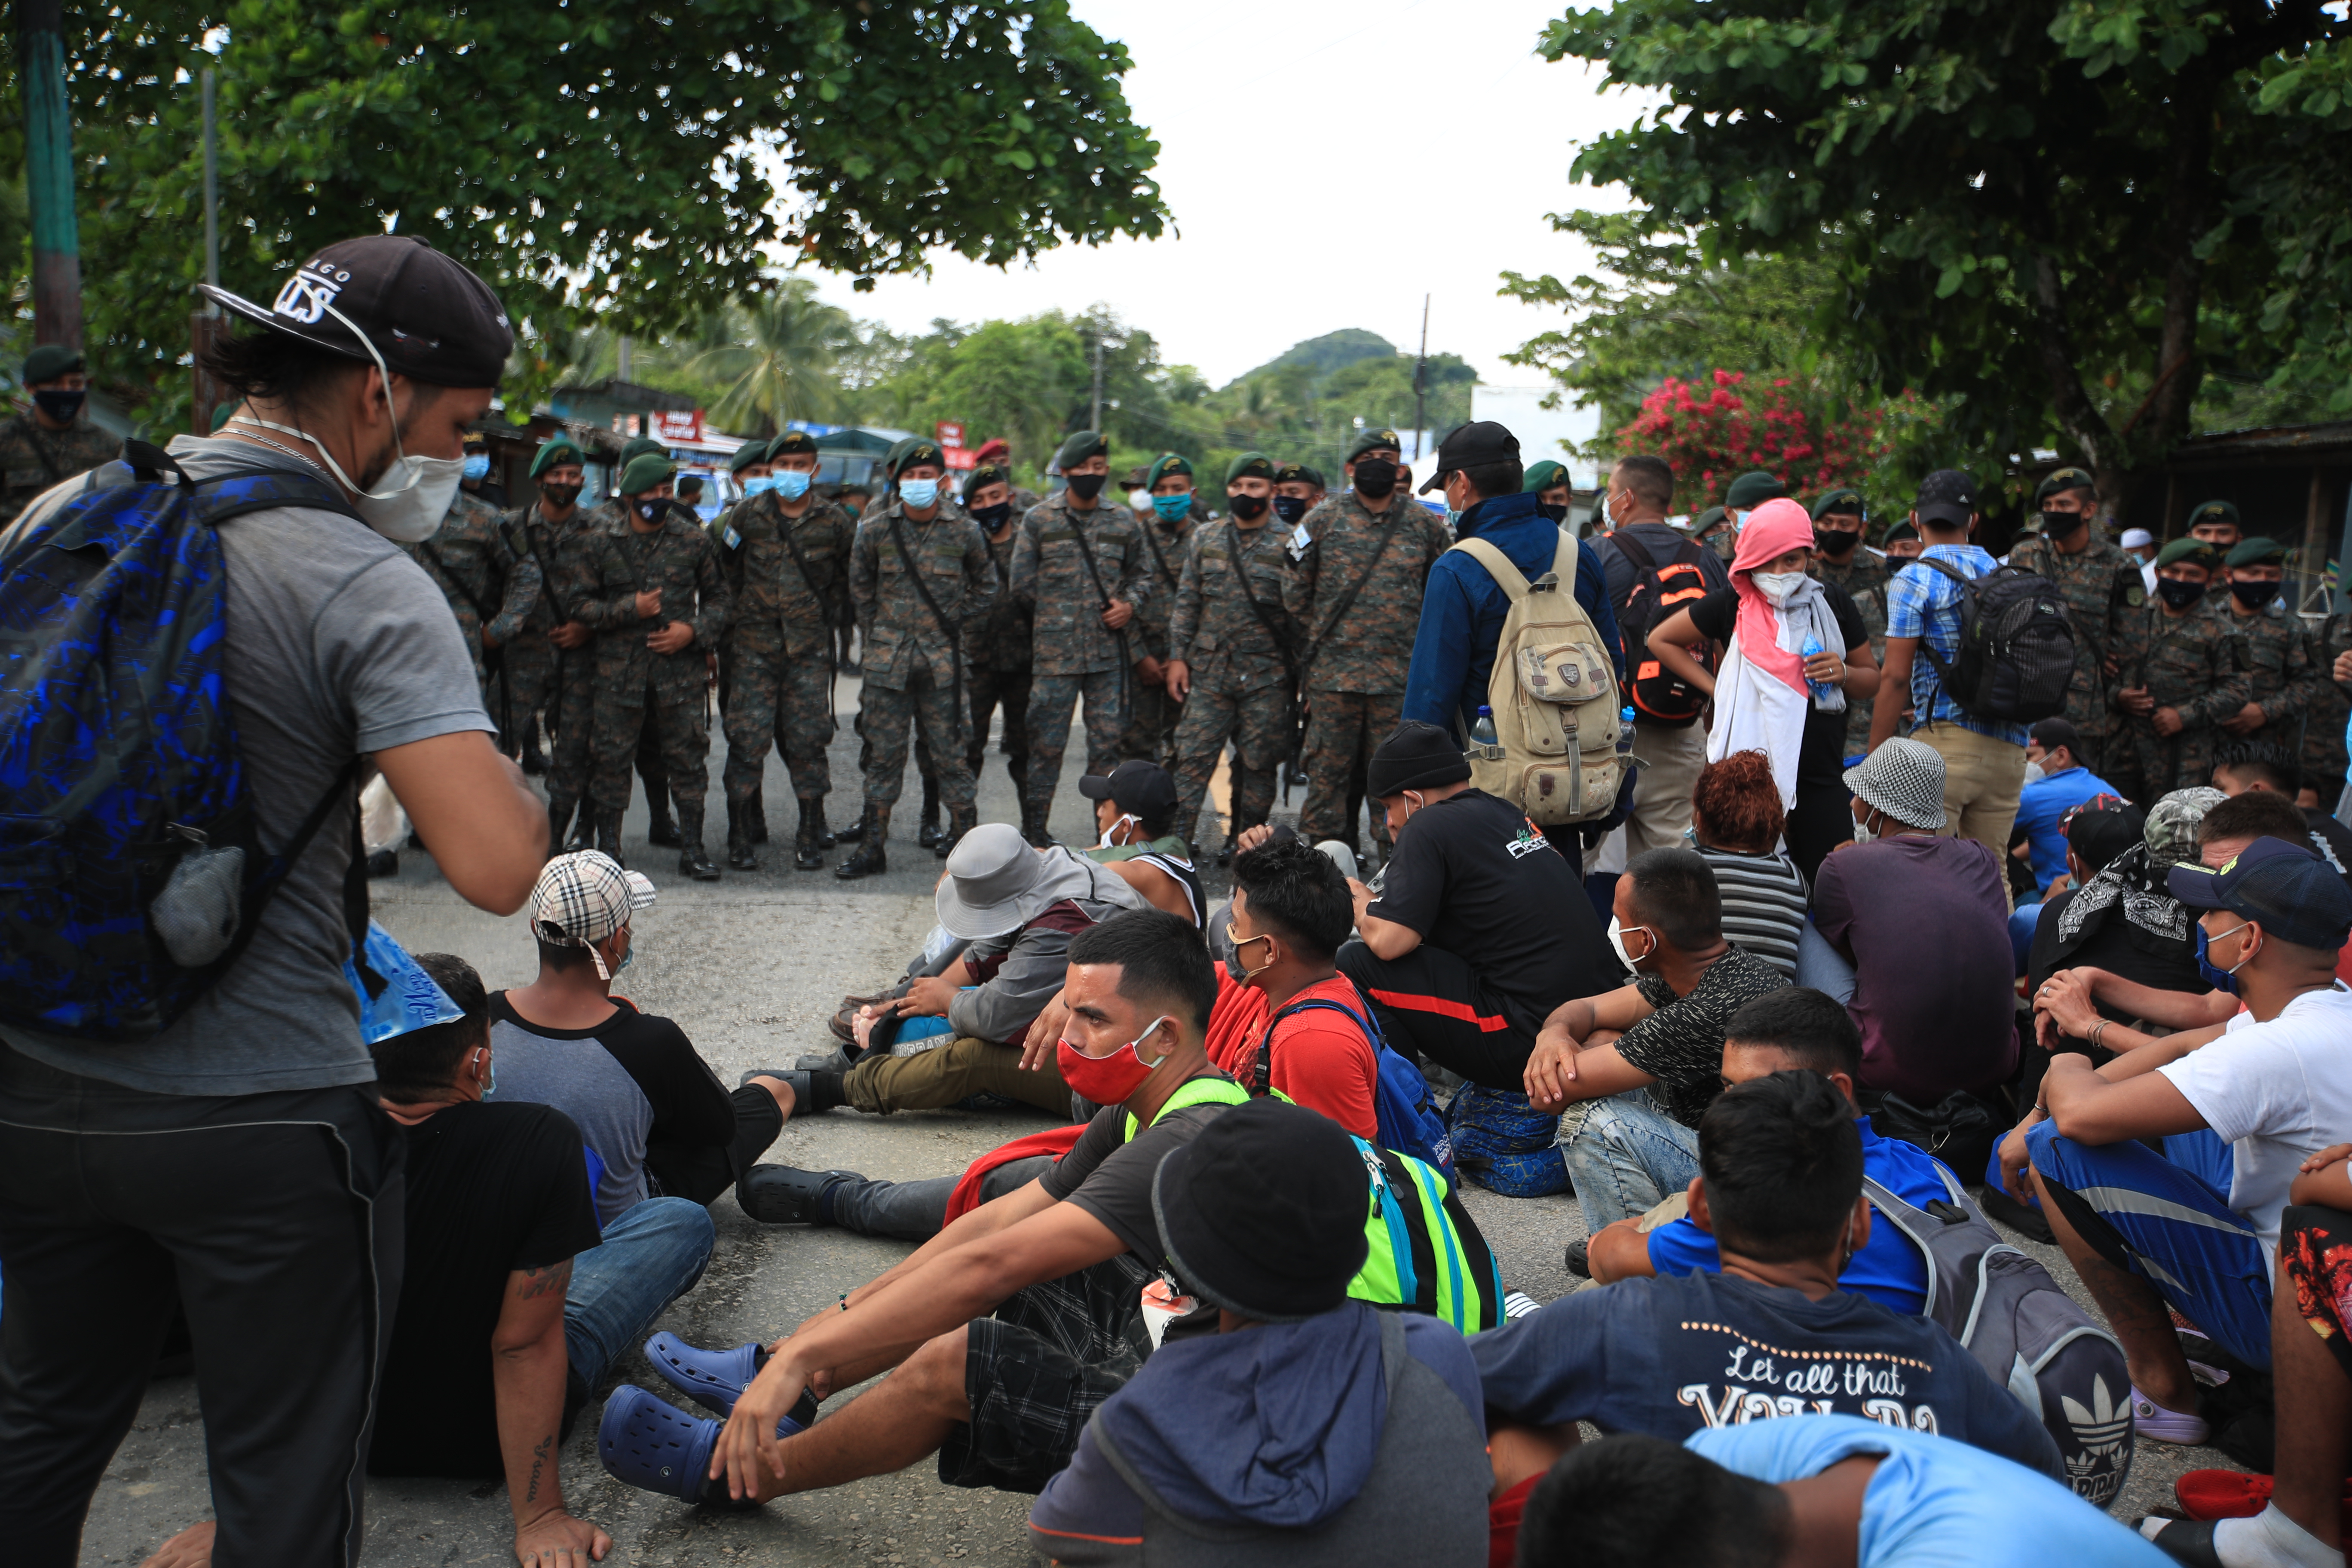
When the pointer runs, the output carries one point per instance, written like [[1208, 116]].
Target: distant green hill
[[1332, 351]]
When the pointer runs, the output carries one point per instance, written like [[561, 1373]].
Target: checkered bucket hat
[[1904, 779], [584, 898]]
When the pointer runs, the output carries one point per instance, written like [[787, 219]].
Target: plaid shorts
[[1035, 1373]]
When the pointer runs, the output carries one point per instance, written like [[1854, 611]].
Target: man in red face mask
[[1060, 1263]]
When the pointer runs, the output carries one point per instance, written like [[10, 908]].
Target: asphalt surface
[[752, 967]]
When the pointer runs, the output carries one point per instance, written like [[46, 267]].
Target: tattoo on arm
[[555, 1278], [538, 1464]]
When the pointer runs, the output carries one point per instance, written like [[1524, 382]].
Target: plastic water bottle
[[1482, 733], [1625, 734], [1820, 689]]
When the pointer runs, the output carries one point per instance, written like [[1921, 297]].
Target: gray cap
[[1904, 779]]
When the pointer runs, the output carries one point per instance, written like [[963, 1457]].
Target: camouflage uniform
[[1073, 653], [2281, 672], [566, 550], [629, 678], [2103, 591], [483, 567], [530, 661], [1865, 579], [1152, 713], [34, 458], [1241, 673], [911, 661], [776, 685], [2194, 664], [2323, 725], [1353, 669], [996, 668]]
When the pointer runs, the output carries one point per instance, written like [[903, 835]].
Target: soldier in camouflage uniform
[[1152, 713], [786, 555], [2182, 670], [2102, 590], [998, 454], [920, 573], [1356, 587], [1839, 520], [556, 527], [1079, 568], [997, 650], [485, 569], [612, 517], [530, 662], [654, 597], [2323, 762], [1230, 652], [49, 443], [2283, 677]]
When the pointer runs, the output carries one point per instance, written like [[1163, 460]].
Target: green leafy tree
[[2059, 216], [774, 358], [594, 159]]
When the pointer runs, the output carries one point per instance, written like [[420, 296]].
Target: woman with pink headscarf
[[1771, 696]]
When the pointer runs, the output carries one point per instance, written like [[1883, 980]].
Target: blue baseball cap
[[2295, 895]]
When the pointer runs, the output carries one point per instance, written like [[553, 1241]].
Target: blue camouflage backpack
[[1408, 1120], [131, 873]]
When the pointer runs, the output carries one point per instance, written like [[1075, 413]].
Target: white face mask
[[1776, 585], [2033, 773], [1109, 839], [1863, 831], [1617, 940], [418, 490]]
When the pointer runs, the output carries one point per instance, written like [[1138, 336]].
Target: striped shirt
[[1764, 901]]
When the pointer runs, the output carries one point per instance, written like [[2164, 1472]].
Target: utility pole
[[50, 173], [206, 326], [1420, 382], [1097, 425], [621, 359]]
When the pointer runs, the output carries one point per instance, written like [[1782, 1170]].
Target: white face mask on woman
[[1776, 585]]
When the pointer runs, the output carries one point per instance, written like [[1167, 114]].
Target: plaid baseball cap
[[2295, 895], [584, 897], [1904, 779]]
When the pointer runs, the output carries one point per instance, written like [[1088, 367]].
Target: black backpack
[[2016, 655], [1657, 693]]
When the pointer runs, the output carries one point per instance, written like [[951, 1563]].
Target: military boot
[[927, 828], [608, 835], [873, 829], [741, 855], [534, 760], [962, 819], [852, 833], [659, 828], [559, 822], [756, 814], [1033, 825], [809, 842], [693, 860]]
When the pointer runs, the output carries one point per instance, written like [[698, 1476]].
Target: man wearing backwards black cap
[[2147, 1231], [784, 552], [1082, 569], [1233, 1445], [1175, 511], [1358, 582], [1462, 607], [53, 441], [2182, 670], [2103, 591], [241, 1148]]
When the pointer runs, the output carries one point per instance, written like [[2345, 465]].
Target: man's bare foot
[[192, 1548]]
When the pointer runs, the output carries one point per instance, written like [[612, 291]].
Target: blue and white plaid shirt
[[1923, 602]]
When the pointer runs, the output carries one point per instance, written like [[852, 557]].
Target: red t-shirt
[[1320, 1059]]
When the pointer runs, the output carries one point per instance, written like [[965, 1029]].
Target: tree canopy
[[591, 159], [2055, 219]]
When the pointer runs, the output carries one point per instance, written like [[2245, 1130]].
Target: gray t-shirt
[[338, 644]]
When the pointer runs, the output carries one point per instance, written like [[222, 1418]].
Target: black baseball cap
[[1142, 790], [1947, 496], [2051, 733], [430, 318], [1474, 445], [2295, 895]]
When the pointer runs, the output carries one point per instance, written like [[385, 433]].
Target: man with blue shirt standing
[[1984, 759]]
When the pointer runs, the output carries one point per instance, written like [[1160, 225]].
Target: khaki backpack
[[1554, 694]]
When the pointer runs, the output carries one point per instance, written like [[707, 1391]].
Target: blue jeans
[[2023, 921], [651, 1256], [1627, 1157], [1823, 968]]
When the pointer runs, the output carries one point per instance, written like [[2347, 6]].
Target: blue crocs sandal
[[712, 1379], [655, 1446]]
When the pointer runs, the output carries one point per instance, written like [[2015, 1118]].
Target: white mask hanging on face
[[418, 490], [1109, 839]]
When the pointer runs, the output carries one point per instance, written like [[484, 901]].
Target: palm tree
[[775, 354]]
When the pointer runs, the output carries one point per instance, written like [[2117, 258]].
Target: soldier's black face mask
[[2253, 595], [653, 508], [2062, 524], [1375, 476], [1835, 541], [991, 518], [1085, 487], [1290, 509], [1248, 509], [558, 496], [58, 403], [2180, 595]]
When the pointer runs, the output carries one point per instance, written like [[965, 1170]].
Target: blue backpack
[[1408, 1120], [131, 873]]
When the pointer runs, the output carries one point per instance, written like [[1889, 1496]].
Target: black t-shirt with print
[[1109, 1175], [1479, 880], [1820, 754], [1681, 1044]]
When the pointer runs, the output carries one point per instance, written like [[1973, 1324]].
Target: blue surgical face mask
[[2222, 980], [758, 485], [1171, 507], [791, 483], [920, 494], [477, 466]]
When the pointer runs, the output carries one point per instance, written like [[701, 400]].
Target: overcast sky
[[1279, 123]]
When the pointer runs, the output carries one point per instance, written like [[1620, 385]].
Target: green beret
[[49, 361], [1900, 532], [2195, 552], [898, 449], [1297, 474], [1842, 502], [1250, 466], [1753, 488], [980, 478], [1543, 476], [749, 453], [1079, 447], [2256, 552], [2064, 480], [918, 454], [556, 449], [1374, 440], [637, 448], [644, 472], [2214, 512], [793, 441], [1705, 520], [1170, 463]]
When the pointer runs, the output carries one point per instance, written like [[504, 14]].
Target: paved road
[[752, 967]]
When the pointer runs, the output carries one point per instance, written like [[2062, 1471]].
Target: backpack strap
[[1209, 1089], [1927, 646], [1507, 577]]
